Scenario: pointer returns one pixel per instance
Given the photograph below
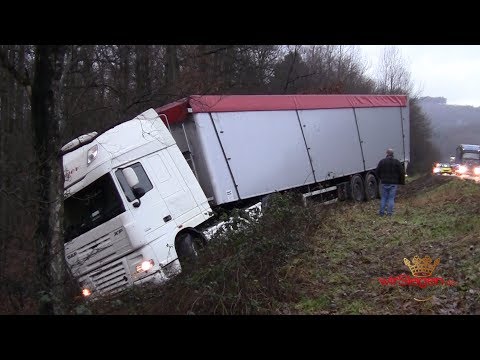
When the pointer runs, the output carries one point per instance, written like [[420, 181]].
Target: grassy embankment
[[327, 259]]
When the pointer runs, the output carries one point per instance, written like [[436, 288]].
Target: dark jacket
[[390, 171]]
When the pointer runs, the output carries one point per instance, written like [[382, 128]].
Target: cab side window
[[143, 181]]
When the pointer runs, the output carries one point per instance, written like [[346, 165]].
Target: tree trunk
[[146, 70], [140, 79], [51, 270], [21, 93], [7, 92], [172, 65]]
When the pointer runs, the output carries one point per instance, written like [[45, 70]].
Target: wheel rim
[[371, 187], [357, 189], [358, 195]]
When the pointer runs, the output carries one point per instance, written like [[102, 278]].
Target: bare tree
[[171, 64], [46, 115], [393, 76], [423, 151], [321, 69], [45, 90]]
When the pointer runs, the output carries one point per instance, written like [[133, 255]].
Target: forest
[[50, 94]]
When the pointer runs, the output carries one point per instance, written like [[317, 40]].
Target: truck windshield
[[471, 156], [91, 207]]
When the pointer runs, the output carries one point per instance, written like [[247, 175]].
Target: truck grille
[[111, 278], [85, 255], [101, 248], [87, 251]]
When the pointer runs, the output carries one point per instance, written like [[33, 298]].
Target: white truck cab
[[131, 205]]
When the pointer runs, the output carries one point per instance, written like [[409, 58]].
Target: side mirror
[[131, 177], [138, 192]]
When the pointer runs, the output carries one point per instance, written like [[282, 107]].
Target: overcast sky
[[451, 71]]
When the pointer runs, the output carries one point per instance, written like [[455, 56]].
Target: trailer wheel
[[342, 192], [371, 187], [187, 246], [357, 188], [266, 202]]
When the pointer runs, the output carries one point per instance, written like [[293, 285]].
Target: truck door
[[152, 217], [172, 187]]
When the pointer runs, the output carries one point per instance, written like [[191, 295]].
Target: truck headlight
[[436, 170], [144, 266], [92, 154], [462, 169], [86, 292], [476, 171]]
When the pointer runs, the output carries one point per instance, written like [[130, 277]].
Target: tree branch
[[22, 79], [290, 69]]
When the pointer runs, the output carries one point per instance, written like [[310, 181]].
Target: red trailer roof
[[178, 110]]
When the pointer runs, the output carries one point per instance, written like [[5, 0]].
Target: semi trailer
[[141, 196]]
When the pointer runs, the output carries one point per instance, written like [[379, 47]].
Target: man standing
[[392, 173]]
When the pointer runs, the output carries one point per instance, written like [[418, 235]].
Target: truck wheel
[[342, 192], [188, 246], [266, 202], [357, 190], [371, 187]]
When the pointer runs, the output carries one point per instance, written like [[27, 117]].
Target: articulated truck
[[140, 197], [467, 160]]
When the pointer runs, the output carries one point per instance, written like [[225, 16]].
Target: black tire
[[266, 202], [342, 192], [371, 187], [357, 189], [188, 246]]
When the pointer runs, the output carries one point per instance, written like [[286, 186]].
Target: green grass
[[359, 247], [327, 259], [313, 306]]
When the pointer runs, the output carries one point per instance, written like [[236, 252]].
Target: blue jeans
[[388, 198]]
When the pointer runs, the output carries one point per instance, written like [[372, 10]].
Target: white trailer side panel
[[185, 134], [332, 137], [380, 129], [266, 150], [212, 168]]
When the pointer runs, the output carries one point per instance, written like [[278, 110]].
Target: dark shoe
[[380, 214], [389, 214]]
